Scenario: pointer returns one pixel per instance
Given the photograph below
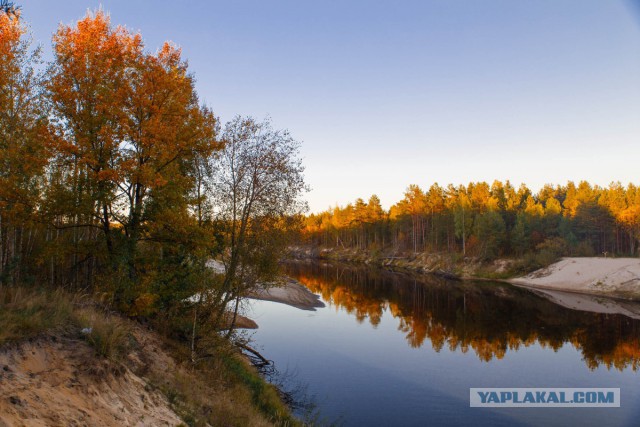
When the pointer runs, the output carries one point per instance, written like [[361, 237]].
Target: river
[[391, 349]]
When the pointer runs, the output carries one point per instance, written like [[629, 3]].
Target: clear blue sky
[[389, 93]]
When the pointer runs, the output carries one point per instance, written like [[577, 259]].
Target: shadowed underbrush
[[223, 389]]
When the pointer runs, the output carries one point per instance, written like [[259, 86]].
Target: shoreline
[[594, 284], [448, 266], [532, 287], [614, 278], [291, 293], [617, 278]]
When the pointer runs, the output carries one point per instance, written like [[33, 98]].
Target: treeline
[[489, 221], [115, 179]]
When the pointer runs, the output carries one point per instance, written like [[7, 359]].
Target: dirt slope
[[59, 382]]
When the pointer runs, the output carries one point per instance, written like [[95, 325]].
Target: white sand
[[216, 266], [291, 293], [288, 291], [615, 277]]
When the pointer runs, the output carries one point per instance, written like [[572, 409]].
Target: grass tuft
[[109, 335]]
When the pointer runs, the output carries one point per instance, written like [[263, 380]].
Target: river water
[[394, 350]]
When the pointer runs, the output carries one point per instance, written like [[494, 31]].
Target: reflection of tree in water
[[490, 318]]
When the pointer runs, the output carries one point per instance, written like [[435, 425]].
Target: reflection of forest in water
[[490, 318]]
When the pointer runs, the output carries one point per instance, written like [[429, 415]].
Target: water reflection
[[488, 318]]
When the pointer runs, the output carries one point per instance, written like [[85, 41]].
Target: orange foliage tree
[[130, 140], [23, 154]]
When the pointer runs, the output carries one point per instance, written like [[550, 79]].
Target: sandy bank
[[61, 382], [291, 293], [612, 277], [243, 322]]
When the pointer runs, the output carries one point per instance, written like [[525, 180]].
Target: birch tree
[[257, 184]]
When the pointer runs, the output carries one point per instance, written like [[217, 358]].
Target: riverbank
[[57, 380], [290, 292], [286, 291], [610, 277], [453, 266], [66, 361]]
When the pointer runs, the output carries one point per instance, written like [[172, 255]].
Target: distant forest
[[489, 221]]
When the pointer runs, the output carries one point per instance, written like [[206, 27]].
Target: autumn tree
[[462, 213], [167, 137], [375, 218], [131, 152], [413, 207], [23, 136], [630, 218], [87, 85]]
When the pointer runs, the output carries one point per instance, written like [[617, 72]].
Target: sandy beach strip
[[291, 293], [286, 291], [612, 277]]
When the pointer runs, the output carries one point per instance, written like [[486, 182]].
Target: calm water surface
[[392, 350]]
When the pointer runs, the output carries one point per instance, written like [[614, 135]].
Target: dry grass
[[224, 390], [109, 335], [26, 313]]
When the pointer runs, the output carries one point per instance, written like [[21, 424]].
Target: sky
[[383, 94]]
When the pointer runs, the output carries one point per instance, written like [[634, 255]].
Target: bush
[[547, 252], [584, 249]]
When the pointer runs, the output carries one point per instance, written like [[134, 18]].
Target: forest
[[115, 180], [489, 222]]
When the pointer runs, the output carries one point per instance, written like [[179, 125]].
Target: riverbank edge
[[452, 267], [612, 296], [616, 278], [449, 266], [115, 358]]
